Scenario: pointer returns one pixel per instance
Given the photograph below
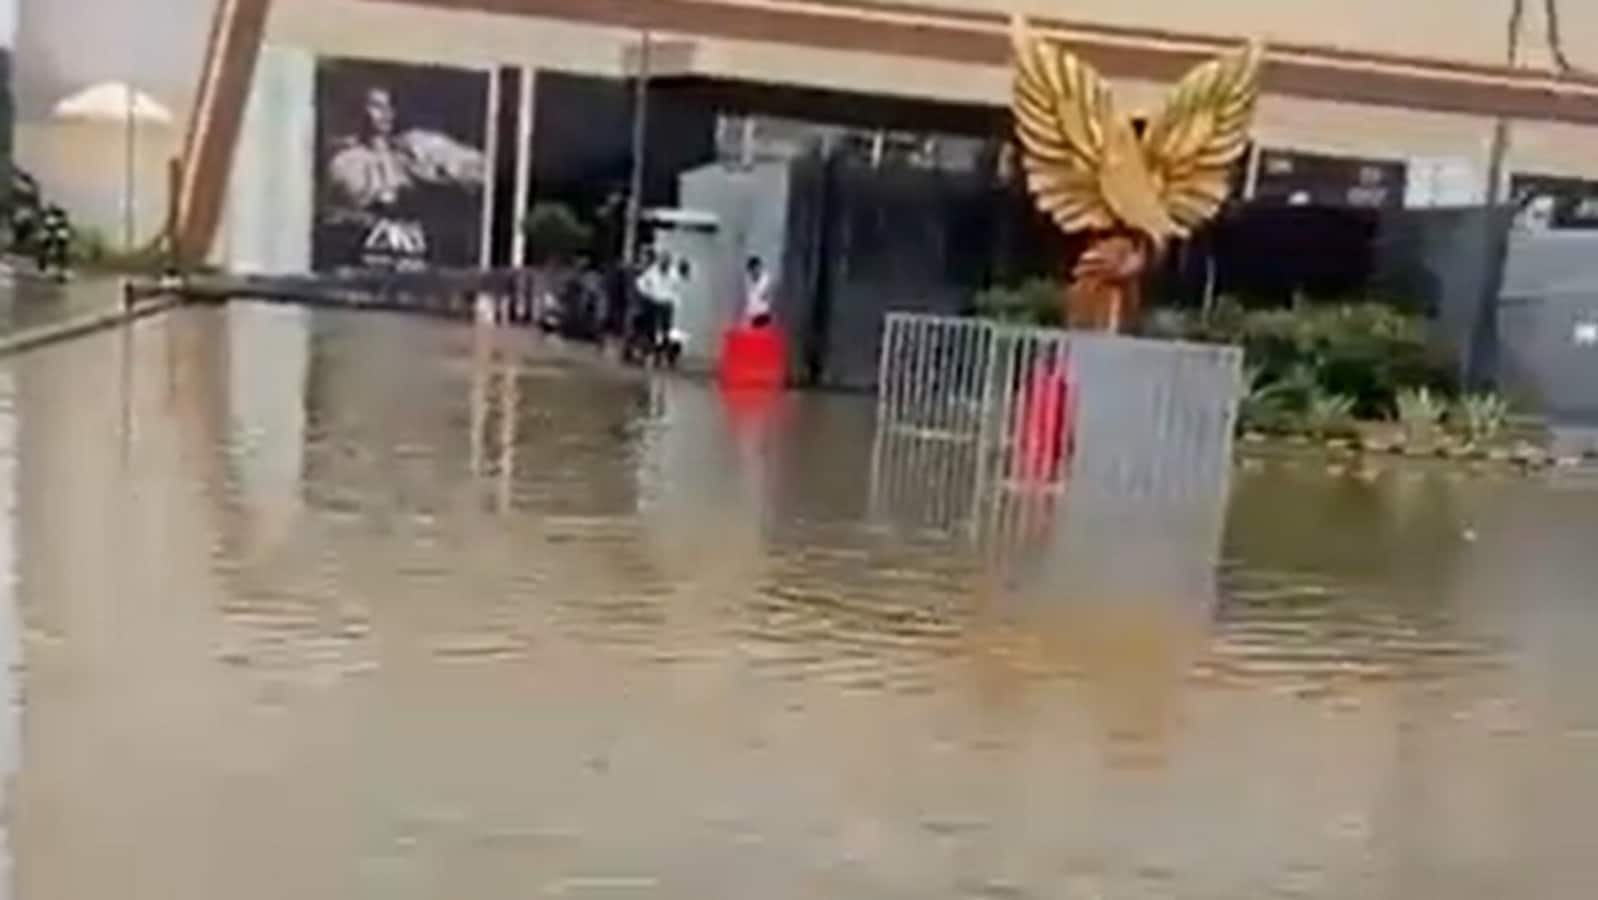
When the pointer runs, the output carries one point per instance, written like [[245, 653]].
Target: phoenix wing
[[1062, 113], [1202, 131]]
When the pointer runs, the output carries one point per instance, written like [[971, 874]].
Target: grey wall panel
[[1548, 323], [1445, 263], [751, 205]]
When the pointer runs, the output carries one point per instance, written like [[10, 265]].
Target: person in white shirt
[[673, 282], [757, 294], [667, 339], [660, 291], [652, 280]]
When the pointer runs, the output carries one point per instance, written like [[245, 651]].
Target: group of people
[[639, 305], [39, 230], [660, 288]]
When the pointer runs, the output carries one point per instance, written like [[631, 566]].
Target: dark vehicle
[[575, 310]]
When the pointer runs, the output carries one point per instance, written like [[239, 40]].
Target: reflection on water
[[28, 301], [332, 605], [10, 628]]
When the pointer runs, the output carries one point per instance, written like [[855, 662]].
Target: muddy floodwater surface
[[331, 605]]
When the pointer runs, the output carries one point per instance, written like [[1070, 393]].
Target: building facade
[[1368, 102], [1384, 87]]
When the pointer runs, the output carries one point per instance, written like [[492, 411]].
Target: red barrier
[[1045, 429], [753, 357]]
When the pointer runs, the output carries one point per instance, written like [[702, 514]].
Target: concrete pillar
[[266, 225], [8, 40], [214, 124]]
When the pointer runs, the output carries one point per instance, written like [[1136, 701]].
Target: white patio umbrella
[[117, 102], [113, 101]]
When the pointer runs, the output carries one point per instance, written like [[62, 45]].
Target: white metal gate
[[978, 420]]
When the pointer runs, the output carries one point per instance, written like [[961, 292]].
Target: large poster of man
[[400, 165]]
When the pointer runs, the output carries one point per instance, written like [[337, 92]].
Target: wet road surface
[[325, 605], [29, 301]]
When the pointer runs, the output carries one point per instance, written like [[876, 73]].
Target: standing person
[[757, 293], [674, 284], [55, 244], [651, 287]]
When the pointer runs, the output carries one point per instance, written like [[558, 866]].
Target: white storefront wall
[[268, 224]]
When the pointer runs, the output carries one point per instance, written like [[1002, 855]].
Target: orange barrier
[[753, 358], [1045, 429]]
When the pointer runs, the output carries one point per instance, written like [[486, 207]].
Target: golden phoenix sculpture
[[1130, 187]]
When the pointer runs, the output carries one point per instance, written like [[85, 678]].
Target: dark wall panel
[[1448, 264], [864, 242], [505, 154], [582, 139], [1290, 177]]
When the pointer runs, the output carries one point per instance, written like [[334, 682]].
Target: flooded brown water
[[30, 301], [325, 605]]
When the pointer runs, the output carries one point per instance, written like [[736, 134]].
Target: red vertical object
[[1045, 438], [753, 358]]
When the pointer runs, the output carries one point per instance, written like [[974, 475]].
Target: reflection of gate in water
[[982, 426]]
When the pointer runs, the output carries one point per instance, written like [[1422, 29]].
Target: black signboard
[[1550, 202], [400, 165], [1313, 179]]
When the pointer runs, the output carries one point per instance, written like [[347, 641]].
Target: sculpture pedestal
[[1106, 292]]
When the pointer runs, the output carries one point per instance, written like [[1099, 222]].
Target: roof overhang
[[977, 38]]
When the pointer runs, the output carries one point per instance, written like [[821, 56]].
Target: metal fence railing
[[513, 294], [979, 423]]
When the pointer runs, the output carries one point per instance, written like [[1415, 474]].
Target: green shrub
[[1039, 302], [1278, 405], [1479, 418], [1224, 323], [1366, 352], [90, 247], [93, 251], [1169, 324], [1419, 412], [1263, 407], [555, 234], [1308, 366], [1329, 415]]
